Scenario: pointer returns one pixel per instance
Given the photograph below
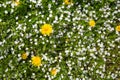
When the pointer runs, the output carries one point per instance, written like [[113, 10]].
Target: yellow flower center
[[118, 28], [24, 56], [92, 23], [36, 60], [53, 72], [46, 29]]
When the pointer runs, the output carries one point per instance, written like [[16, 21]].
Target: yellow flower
[[67, 2], [67, 40], [16, 2], [92, 23], [118, 28], [46, 29], [53, 72], [36, 60], [24, 56]]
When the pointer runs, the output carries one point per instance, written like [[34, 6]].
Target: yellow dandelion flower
[[24, 56], [36, 60], [16, 2], [118, 28], [92, 23], [46, 29], [53, 72], [67, 2], [67, 40]]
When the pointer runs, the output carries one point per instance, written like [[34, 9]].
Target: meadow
[[59, 39]]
